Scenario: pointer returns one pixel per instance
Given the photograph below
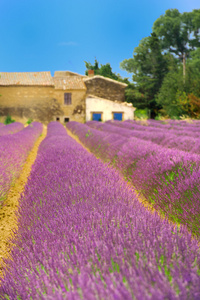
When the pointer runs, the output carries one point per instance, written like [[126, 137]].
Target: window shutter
[[67, 98]]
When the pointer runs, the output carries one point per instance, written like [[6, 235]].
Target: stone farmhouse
[[67, 96]]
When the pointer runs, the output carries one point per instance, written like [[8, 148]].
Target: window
[[66, 120], [58, 119], [117, 116], [96, 117], [67, 98]]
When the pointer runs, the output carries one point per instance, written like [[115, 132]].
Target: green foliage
[[134, 96], [89, 133], [29, 121], [179, 98], [179, 33], [8, 120], [148, 66], [142, 113], [167, 96], [194, 60], [193, 71], [105, 71], [115, 267], [182, 101]]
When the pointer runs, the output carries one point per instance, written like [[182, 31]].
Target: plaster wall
[[107, 107]]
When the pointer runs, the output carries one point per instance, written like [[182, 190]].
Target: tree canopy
[[148, 66], [179, 33], [157, 62]]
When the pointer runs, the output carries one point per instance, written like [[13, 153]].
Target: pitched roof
[[69, 83], [105, 78], [67, 73], [26, 78]]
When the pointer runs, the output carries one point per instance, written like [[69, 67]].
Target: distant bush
[[161, 117], [29, 121], [8, 120], [141, 114]]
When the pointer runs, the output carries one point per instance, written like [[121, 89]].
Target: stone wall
[[46, 103], [41, 104], [75, 111], [105, 88]]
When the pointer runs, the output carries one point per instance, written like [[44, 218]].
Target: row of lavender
[[163, 137], [186, 129], [168, 124], [159, 127], [168, 178], [173, 123], [84, 235], [14, 149], [10, 128]]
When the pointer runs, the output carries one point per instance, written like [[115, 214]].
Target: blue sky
[[55, 35]]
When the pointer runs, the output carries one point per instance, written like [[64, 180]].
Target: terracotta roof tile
[[26, 78], [69, 83]]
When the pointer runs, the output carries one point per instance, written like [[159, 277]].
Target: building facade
[[67, 96]]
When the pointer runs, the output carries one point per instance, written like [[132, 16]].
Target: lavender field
[[83, 233], [167, 175], [10, 128], [14, 149]]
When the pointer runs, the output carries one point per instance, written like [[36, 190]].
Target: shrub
[[29, 121], [8, 120], [141, 114]]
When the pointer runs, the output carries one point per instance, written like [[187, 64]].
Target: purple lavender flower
[[11, 128], [168, 178], [14, 149], [84, 235]]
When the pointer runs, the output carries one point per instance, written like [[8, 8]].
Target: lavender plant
[[168, 178], [84, 235], [182, 140], [14, 149], [11, 128]]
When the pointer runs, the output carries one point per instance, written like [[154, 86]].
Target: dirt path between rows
[[8, 221]]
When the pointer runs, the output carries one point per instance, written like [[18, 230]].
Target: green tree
[[178, 97], [105, 71], [149, 67], [193, 70], [179, 33], [194, 61], [9, 120], [167, 96]]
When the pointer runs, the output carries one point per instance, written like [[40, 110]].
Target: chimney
[[90, 73]]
